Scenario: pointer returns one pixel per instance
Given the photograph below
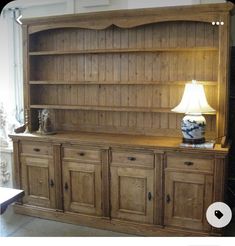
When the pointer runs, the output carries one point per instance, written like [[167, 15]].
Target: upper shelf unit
[[123, 71]]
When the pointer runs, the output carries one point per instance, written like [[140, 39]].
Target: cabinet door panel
[[132, 194], [82, 187], [187, 198], [83, 182], [37, 175], [38, 184]]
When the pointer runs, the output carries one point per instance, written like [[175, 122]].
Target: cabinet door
[[187, 196], [132, 194], [82, 187], [38, 181]]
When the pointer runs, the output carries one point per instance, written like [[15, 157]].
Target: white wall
[[35, 8], [4, 60]]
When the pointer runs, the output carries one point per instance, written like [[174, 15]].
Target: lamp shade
[[194, 100]]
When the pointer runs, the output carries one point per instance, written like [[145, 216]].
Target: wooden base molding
[[107, 224]]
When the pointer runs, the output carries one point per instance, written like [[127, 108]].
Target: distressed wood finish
[[82, 187], [126, 181], [131, 18], [132, 194], [38, 181], [114, 225], [111, 79], [17, 165], [58, 175], [187, 196], [122, 80]]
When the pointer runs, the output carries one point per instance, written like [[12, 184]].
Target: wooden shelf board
[[96, 51], [107, 108], [48, 82]]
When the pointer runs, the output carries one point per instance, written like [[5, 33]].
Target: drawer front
[[189, 162], [82, 154], [36, 148], [132, 158]]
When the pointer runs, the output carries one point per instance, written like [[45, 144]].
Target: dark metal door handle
[[188, 163], [149, 196], [168, 198], [81, 154], [36, 149], [52, 183], [131, 158], [66, 187]]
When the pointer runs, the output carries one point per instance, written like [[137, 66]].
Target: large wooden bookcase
[[111, 79]]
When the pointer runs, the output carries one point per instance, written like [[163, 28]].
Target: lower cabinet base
[[105, 223]]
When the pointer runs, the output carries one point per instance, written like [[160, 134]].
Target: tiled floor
[[16, 225]]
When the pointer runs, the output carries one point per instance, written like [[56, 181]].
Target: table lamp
[[193, 104]]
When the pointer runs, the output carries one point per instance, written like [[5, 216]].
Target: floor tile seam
[[20, 227]]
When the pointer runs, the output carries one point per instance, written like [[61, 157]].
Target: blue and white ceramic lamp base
[[193, 128]]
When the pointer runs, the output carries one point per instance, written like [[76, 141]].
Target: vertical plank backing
[[135, 79]]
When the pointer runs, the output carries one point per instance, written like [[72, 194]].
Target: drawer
[[189, 162], [36, 148], [82, 154], [132, 158]]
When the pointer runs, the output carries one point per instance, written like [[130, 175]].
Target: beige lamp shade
[[194, 100]]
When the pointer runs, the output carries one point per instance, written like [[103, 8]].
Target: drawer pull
[[81, 154], [168, 198], [149, 196], [66, 187], [131, 158], [36, 149], [188, 163]]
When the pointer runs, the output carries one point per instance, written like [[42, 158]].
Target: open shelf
[[48, 82], [107, 108], [122, 80], [126, 50]]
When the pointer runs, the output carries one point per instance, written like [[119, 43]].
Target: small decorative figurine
[[45, 123]]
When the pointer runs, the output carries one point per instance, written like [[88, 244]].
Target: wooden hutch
[[111, 79]]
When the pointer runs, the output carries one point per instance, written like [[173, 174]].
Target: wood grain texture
[[130, 192], [16, 170], [82, 187], [130, 18], [37, 176], [134, 75], [58, 176], [187, 196], [114, 224]]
